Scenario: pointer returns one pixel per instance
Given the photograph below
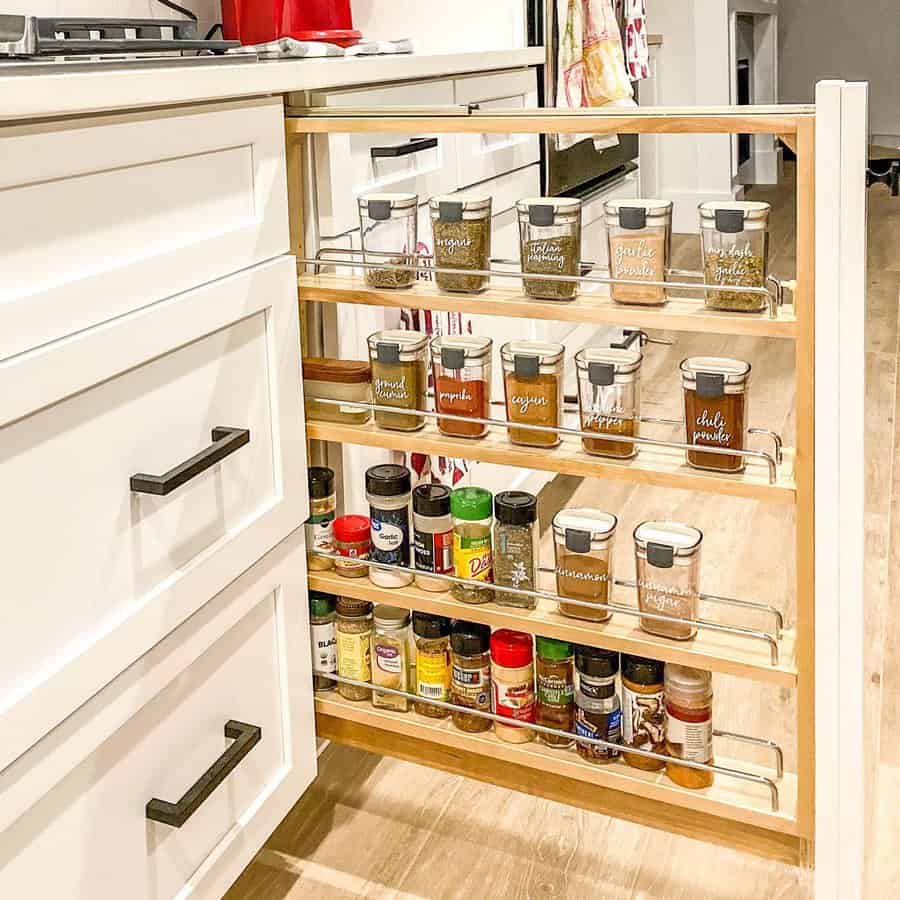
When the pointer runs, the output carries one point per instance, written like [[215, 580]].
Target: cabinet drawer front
[[91, 821], [102, 572], [107, 215]]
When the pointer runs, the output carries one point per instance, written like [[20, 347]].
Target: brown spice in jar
[[715, 422], [638, 258], [470, 680], [609, 424], [533, 400], [582, 577], [643, 711], [551, 256], [462, 245], [402, 385], [354, 653], [739, 268], [555, 694]]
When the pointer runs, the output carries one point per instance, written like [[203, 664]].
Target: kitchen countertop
[[40, 95]]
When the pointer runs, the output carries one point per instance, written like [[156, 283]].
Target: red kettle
[[258, 21]]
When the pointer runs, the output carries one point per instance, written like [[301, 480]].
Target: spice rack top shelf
[[654, 465], [728, 798], [595, 308], [715, 651]]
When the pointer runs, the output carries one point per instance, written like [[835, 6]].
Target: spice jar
[[515, 547], [320, 524], [550, 242], [609, 398], [555, 668], [390, 646], [462, 383], [432, 535], [639, 234], [353, 541], [583, 543], [689, 730], [354, 652], [667, 561], [533, 383], [735, 239], [337, 379], [388, 225], [715, 410], [388, 489], [512, 677], [432, 663], [462, 240], [470, 682], [399, 377], [472, 552], [598, 714], [643, 710], [323, 637]]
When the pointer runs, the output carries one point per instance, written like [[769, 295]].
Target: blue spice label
[[390, 536]]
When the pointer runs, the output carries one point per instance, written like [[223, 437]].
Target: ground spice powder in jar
[[689, 729], [639, 235], [462, 240], [533, 383], [433, 535], [643, 710], [462, 383], [432, 663], [555, 671], [399, 377], [470, 683], [353, 542], [583, 541], [512, 677], [354, 652], [320, 524], [390, 646]]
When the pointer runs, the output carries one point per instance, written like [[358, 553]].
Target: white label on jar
[[388, 658], [524, 402], [320, 535], [713, 429], [643, 717], [514, 700], [386, 536], [690, 740], [324, 648], [386, 389]]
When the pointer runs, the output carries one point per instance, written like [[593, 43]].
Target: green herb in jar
[[462, 245], [392, 278], [551, 256], [734, 269]]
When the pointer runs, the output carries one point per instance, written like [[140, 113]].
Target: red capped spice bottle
[[352, 540], [512, 678]]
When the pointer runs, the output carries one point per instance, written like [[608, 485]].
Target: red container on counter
[[258, 21]]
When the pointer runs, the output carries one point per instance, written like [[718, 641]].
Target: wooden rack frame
[[700, 813]]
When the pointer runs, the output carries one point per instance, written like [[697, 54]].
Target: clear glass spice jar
[[388, 490], [643, 711], [555, 671], [336, 379], [715, 410], [390, 664], [354, 650], [512, 679], [598, 713], [432, 663], [735, 238], [462, 383], [323, 637], [462, 240], [533, 383], [470, 683], [472, 549], [515, 547], [353, 541], [639, 234], [320, 524], [388, 230], [399, 377], [609, 398], [432, 535], [689, 728], [667, 563], [583, 543], [550, 244]]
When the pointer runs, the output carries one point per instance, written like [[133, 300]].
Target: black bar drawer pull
[[246, 737], [415, 145], [225, 442]]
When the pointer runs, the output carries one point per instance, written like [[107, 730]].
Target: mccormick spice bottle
[[433, 535], [462, 240], [715, 410], [550, 240], [643, 710], [432, 663], [470, 682], [598, 714], [472, 552], [354, 651], [462, 383], [388, 224], [353, 541], [533, 383], [390, 663], [583, 542], [319, 525], [689, 730], [515, 547], [399, 377], [324, 639], [639, 233], [555, 667], [512, 677], [667, 561], [609, 399], [388, 493]]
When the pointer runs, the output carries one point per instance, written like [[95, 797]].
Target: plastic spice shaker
[[512, 677]]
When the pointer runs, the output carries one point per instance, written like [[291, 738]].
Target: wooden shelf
[[659, 466], [712, 650], [728, 798], [676, 315]]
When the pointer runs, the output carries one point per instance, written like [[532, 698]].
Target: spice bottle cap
[[661, 542], [688, 686], [342, 371], [321, 482], [351, 529], [431, 500], [352, 608], [470, 638], [640, 670], [599, 525], [512, 649], [515, 508], [391, 616], [321, 604], [427, 625], [388, 480], [595, 662], [471, 503], [550, 648]]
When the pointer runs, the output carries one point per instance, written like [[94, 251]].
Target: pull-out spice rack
[[769, 812]]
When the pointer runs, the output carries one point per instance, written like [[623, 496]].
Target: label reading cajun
[[514, 701], [434, 552], [354, 655], [324, 648], [472, 556]]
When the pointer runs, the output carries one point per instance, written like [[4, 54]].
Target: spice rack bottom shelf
[[731, 812]]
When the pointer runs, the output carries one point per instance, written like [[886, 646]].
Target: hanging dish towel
[[637, 53], [591, 63]]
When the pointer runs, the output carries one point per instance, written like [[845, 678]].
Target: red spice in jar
[[461, 397]]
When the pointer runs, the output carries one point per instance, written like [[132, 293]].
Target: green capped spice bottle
[[472, 511], [323, 636], [555, 669]]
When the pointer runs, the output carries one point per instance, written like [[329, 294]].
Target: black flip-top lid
[[730, 221], [515, 508], [431, 500], [388, 480], [632, 217], [321, 482], [470, 638], [596, 662], [428, 626], [640, 670]]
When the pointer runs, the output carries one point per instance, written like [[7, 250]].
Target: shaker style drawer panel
[[149, 462], [348, 165], [237, 704], [107, 215]]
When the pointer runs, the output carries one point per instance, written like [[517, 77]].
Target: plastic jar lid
[[471, 503], [408, 344], [321, 604], [454, 207], [549, 211], [637, 214], [673, 538], [597, 525], [515, 508], [602, 362], [548, 354], [595, 662], [730, 373], [351, 529], [511, 649], [426, 625], [431, 500], [351, 608], [391, 616], [685, 686], [470, 638], [386, 205], [388, 480], [640, 670], [550, 648], [321, 482], [454, 351]]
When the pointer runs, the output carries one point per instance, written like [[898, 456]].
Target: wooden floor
[[378, 827]]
